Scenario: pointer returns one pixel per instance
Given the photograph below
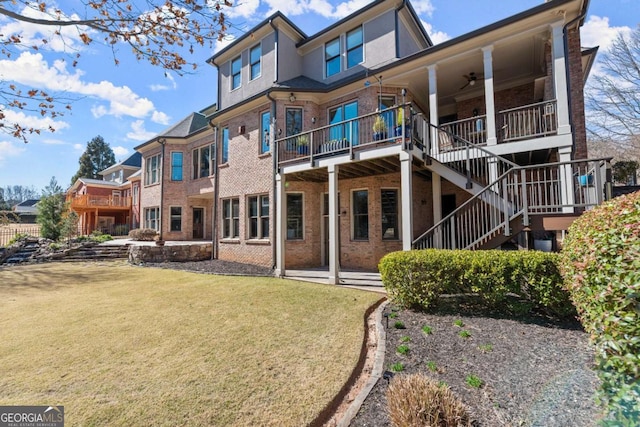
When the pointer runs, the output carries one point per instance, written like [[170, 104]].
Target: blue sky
[[130, 103]]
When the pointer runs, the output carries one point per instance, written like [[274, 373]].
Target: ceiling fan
[[471, 79]]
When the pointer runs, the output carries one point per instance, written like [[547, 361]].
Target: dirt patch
[[534, 371]]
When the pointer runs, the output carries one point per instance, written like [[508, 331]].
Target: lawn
[[123, 345]]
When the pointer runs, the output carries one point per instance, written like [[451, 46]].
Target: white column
[[406, 197], [490, 104], [560, 78], [281, 225], [334, 223], [436, 189], [566, 181], [433, 108]]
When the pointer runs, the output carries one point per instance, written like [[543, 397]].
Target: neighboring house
[[26, 207], [110, 205], [335, 149]]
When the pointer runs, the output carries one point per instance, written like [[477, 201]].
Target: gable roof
[[190, 124], [28, 203], [250, 33]]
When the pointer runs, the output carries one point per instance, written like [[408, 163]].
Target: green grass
[[473, 381], [427, 329], [123, 345], [397, 367], [459, 323], [431, 365], [402, 349], [464, 334]]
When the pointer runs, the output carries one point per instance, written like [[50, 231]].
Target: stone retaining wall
[[179, 253]]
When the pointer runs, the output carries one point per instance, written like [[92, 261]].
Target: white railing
[[520, 192], [472, 130], [529, 121], [370, 130]]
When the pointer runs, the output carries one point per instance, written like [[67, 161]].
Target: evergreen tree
[[97, 157], [50, 210]]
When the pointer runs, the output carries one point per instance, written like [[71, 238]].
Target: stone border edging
[[330, 409], [376, 372]]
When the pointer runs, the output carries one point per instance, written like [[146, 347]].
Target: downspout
[[162, 142], [274, 158], [568, 73], [276, 34], [397, 23], [216, 182]]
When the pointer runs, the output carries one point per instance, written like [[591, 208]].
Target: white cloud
[[98, 111], [78, 147], [139, 133], [597, 32], [291, 8], [120, 151], [221, 44], [347, 8], [9, 149], [159, 87], [59, 39], [243, 9], [436, 36], [160, 118], [36, 122], [33, 71], [423, 6]]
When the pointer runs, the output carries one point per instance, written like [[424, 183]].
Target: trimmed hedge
[[417, 278], [601, 265]]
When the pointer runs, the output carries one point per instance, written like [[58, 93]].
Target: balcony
[[371, 130], [379, 129], [88, 201]]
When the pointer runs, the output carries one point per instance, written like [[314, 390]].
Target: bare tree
[[159, 32], [613, 95]]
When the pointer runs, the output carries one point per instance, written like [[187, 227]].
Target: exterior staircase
[[95, 253], [505, 195]]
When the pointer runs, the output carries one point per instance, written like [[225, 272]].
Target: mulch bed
[[216, 266], [535, 371]]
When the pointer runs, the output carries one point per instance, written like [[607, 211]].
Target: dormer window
[[255, 55], [236, 73], [332, 57], [354, 47]]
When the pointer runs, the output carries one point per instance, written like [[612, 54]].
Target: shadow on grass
[[514, 308], [53, 276]]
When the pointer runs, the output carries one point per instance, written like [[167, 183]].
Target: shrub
[[98, 237], [143, 234], [17, 237], [416, 279], [416, 400], [601, 266]]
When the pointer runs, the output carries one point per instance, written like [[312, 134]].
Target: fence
[[10, 231]]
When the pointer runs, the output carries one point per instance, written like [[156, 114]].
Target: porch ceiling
[[516, 60], [353, 170]]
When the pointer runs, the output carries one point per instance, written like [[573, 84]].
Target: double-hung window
[[152, 170], [152, 218], [255, 55], [236, 72], [332, 57], [389, 208], [360, 215], [258, 211], [176, 218], [354, 47], [225, 145], [203, 161], [176, 166], [231, 218], [295, 224]]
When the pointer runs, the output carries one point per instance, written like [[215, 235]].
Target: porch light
[[387, 375], [292, 97]]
